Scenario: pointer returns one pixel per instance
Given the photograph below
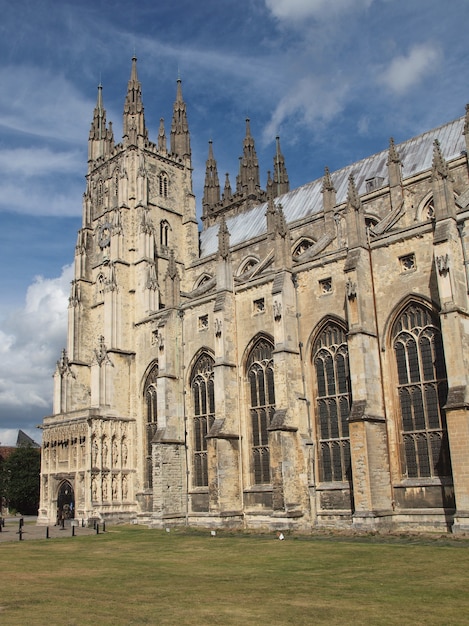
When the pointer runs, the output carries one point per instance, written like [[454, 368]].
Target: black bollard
[[1, 526], [73, 530], [104, 527], [20, 534], [97, 529], [47, 532]]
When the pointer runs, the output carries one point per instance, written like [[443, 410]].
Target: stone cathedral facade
[[300, 361]]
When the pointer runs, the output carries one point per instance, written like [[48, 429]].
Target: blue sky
[[334, 78]]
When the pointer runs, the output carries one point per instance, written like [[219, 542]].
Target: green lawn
[[132, 575]]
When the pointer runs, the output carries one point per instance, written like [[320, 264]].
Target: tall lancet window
[[151, 406], [422, 389], [333, 400], [260, 375], [163, 184], [203, 397], [164, 229]]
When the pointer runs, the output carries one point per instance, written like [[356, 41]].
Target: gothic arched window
[[422, 389], [100, 287], [330, 358], [163, 184], [203, 397], [164, 229], [260, 375], [151, 407]]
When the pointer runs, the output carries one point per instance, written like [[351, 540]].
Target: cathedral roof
[[416, 156]]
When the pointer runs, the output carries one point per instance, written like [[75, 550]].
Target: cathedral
[[298, 361]]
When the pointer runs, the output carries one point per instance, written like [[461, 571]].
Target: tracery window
[[302, 246], [151, 397], [422, 389], [260, 375], [333, 401], [203, 396], [163, 184]]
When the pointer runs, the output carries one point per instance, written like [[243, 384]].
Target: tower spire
[[249, 181], [212, 184], [100, 137], [135, 132], [281, 183], [180, 136]]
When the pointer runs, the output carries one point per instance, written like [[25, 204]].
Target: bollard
[[104, 527], [1, 526], [73, 531], [97, 529], [20, 534], [47, 532], [62, 524]]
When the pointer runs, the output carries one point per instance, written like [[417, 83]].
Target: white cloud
[[405, 71], [34, 337], [309, 102], [300, 9]]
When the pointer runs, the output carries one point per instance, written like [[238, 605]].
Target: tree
[[20, 479]]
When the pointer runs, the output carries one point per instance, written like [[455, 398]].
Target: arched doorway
[[66, 501]]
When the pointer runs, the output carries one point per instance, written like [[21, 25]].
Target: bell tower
[[138, 220]]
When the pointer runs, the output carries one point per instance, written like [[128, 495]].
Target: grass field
[[132, 575]]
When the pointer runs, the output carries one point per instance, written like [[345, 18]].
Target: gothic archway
[[66, 500]]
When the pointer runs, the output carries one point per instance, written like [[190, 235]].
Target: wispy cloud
[[310, 101], [39, 161], [406, 71], [35, 101], [301, 9]]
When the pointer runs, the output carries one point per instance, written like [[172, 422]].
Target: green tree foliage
[[20, 479]]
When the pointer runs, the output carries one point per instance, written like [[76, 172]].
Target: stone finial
[[162, 137], [327, 184], [393, 156], [353, 199], [227, 193], [439, 165], [223, 240]]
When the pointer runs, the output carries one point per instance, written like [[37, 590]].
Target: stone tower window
[[330, 358], [260, 374], [164, 229], [151, 419], [163, 184], [100, 193], [422, 390], [203, 396]]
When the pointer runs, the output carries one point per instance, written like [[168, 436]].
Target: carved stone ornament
[[277, 309], [442, 263], [351, 289], [218, 327]]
